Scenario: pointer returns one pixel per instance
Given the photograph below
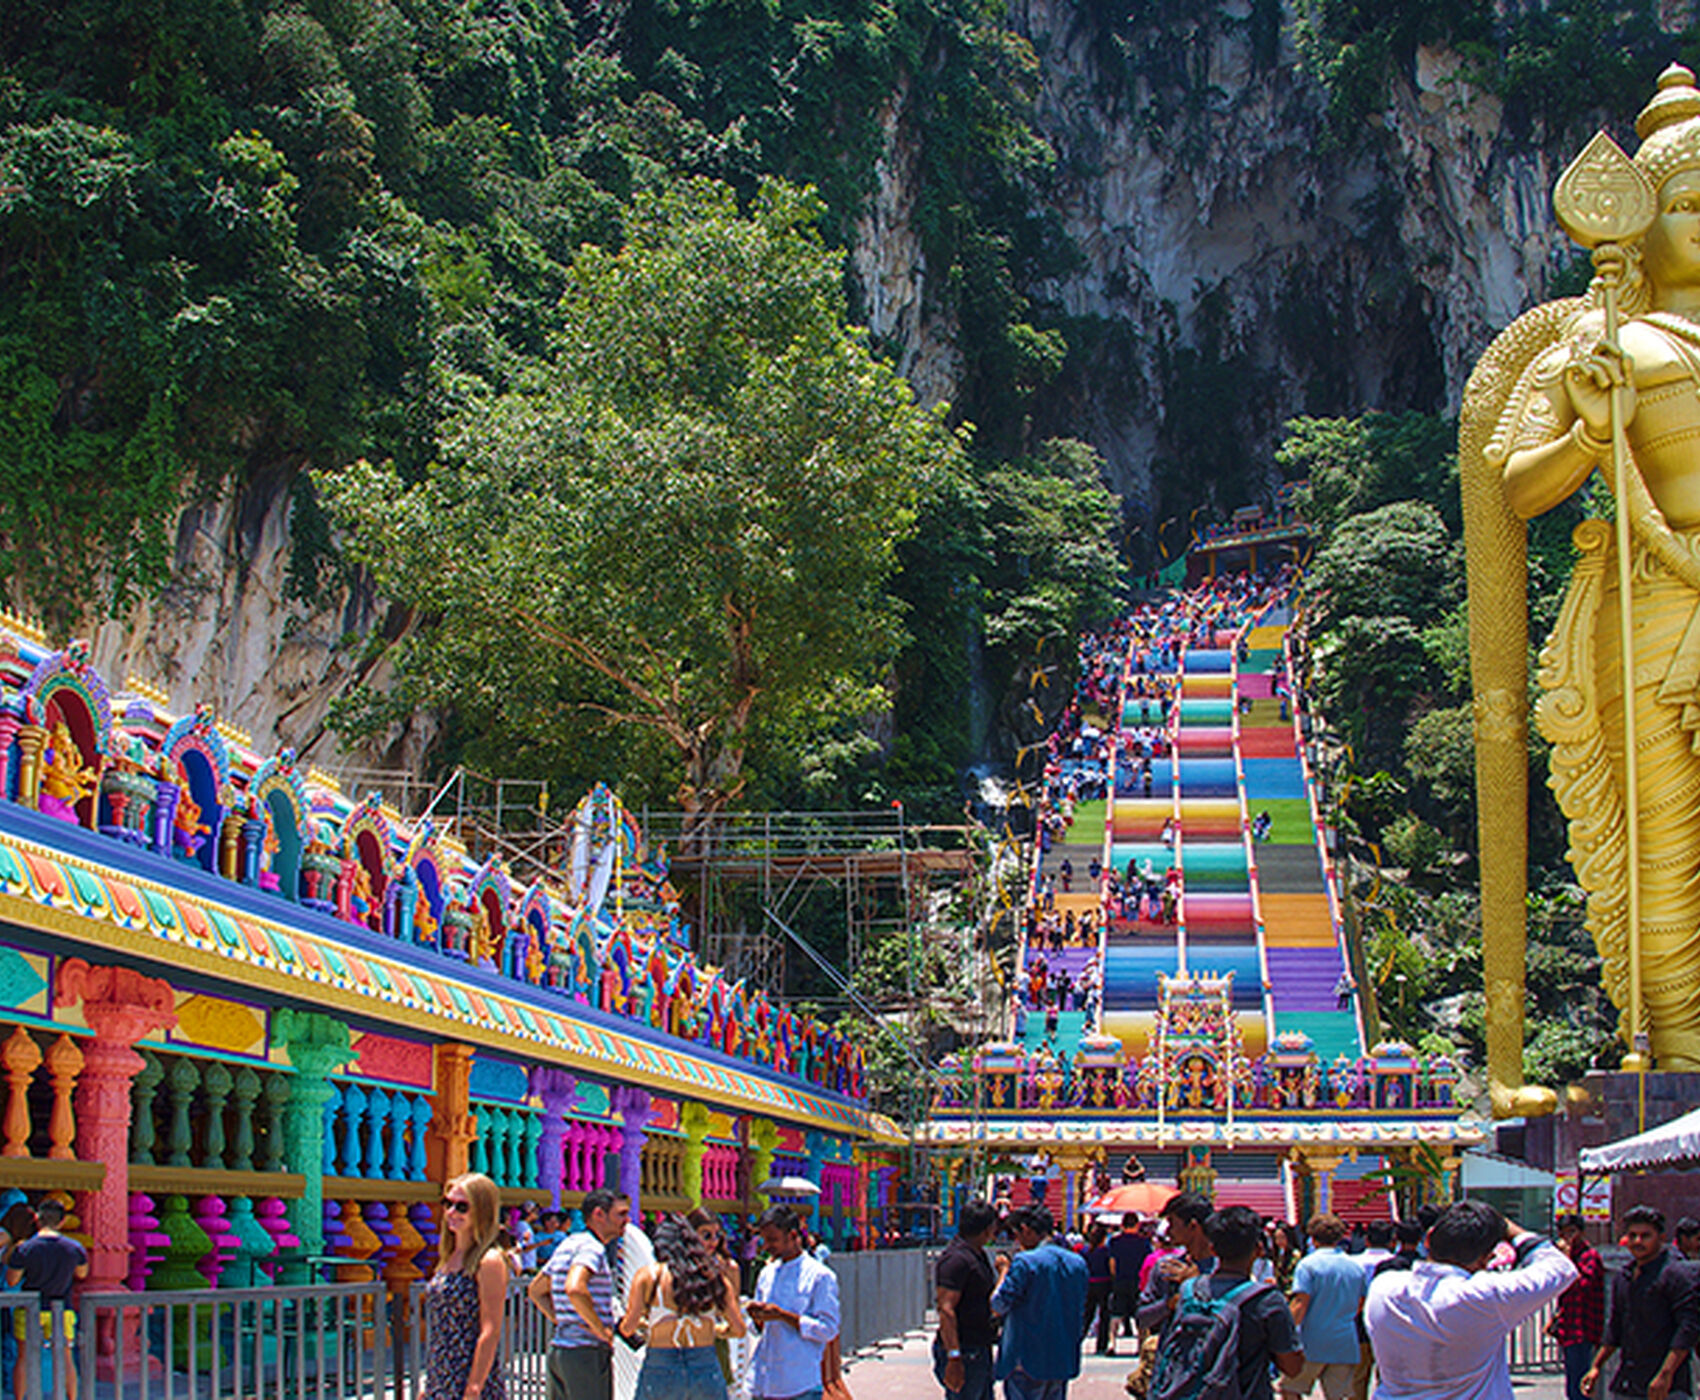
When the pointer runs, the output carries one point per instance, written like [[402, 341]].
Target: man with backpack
[[1227, 1329], [1042, 1300], [1184, 1216]]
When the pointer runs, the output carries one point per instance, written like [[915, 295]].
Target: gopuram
[[1188, 1008], [1607, 383], [252, 1025]]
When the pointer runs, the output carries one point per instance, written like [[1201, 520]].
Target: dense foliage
[[1390, 674], [1557, 66], [242, 241], [685, 523]]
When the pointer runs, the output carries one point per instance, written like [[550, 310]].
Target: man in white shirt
[[1439, 1328], [796, 1310]]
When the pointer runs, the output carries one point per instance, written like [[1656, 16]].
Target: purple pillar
[[633, 1106], [557, 1090]]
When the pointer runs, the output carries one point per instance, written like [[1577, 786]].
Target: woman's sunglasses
[[458, 1207]]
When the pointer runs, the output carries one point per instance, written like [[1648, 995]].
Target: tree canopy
[[687, 521]]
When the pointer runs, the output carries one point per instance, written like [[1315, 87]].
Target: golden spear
[[1605, 203]]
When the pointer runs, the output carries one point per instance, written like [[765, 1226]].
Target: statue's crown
[[1668, 127], [1676, 100]]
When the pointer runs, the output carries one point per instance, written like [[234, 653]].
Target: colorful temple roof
[[291, 889]]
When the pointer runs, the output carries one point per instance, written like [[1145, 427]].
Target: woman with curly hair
[[686, 1301]]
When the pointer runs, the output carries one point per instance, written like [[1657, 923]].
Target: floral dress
[[451, 1313]]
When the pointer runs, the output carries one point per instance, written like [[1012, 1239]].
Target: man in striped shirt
[[575, 1291]]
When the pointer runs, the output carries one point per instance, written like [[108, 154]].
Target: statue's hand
[[1589, 381]]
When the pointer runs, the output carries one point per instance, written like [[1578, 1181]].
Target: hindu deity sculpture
[[424, 922], [1606, 382], [484, 947], [362, 900], [65, 779], [189, 832]]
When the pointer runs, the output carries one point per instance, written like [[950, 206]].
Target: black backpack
[[1200, 1355]]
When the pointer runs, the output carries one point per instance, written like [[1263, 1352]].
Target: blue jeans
[[681, 1373], [1578, 1356], [976, 1372], [1018, 1385]]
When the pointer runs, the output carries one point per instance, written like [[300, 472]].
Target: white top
[[1440, 1332]]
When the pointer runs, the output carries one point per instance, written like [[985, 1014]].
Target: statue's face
[[1672, 250]]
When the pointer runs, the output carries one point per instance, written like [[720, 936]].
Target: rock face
[[224, 631], [1238, 269]]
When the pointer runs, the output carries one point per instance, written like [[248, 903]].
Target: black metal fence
[[327, 1341]]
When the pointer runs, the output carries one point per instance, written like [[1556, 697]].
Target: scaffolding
[[744, 875], [753, 871]]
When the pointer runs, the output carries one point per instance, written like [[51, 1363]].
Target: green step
[[1335, 1032], [1088, 828], [1290, 817]]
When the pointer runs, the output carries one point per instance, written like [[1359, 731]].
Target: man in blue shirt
[[1328, 1293], [796, 1308], [1042, 1299]]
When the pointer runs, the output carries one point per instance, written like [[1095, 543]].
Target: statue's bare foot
[[1523, 1101]]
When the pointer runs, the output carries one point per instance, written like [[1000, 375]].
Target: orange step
[[1297, 921]]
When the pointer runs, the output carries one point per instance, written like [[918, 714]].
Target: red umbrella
[[1143, 1197]]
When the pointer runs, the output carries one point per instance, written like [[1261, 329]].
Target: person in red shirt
[[1581, 1315]]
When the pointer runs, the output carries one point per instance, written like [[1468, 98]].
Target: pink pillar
[[120, 1006]]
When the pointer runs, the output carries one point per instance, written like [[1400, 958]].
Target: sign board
[[1595, 1203]]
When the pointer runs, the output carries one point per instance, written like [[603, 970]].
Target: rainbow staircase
[[1260, 911]]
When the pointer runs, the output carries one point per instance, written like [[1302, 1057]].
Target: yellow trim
[[373, 1005]]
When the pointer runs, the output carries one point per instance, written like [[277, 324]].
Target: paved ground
[[904, 1372]]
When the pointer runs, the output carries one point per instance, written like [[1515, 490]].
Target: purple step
[[1303, 979]]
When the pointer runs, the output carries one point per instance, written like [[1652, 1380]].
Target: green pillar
[[693, 1118], [317, 1045]]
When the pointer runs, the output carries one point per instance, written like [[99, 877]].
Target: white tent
[[1663, 1146]]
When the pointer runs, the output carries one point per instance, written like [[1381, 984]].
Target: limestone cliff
[[1234, 268], [225, 631]]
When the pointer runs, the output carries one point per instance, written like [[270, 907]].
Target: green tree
[[1054, 567], [686, 526]]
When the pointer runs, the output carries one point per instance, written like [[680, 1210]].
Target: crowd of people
[[1226, 1306], [599, 1290]]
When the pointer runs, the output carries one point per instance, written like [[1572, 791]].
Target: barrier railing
[[881, 1293], [325, 1341], [524, 1360], [27, 1306], [1533, 1348]]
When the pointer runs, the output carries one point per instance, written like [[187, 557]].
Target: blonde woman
[[463, 1301]]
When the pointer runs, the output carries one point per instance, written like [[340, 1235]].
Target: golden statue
[[65, 777], [1607, 382], [483, 940]]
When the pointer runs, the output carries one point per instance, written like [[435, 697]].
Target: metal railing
[[342, 1341], [27, 1308], [1532, 1348], [524, 1361], [326, 1341], [882, 1293]]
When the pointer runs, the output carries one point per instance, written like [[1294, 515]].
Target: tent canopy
[[1663, 1146]]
